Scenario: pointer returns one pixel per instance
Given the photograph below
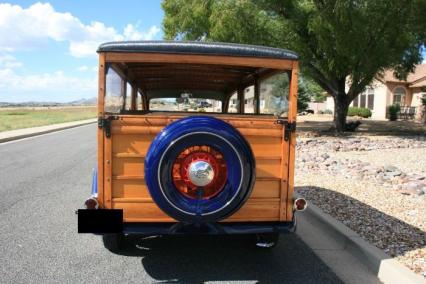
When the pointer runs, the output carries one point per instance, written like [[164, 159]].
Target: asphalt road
[[43, 180]]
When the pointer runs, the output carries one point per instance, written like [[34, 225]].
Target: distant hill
[[80, 102], [84, 102]]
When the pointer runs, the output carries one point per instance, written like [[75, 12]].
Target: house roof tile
[[415, 79]]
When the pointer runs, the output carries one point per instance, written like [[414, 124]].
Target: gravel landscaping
[[374, 185]]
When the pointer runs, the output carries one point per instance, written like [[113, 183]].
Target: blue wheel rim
[[191, 131]]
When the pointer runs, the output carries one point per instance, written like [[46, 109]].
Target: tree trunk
[[341, 107]]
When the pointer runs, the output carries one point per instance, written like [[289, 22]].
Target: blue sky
[[48, 49]]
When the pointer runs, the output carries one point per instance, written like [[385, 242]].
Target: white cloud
[[131, 32], [48, 86], [83, 68], [32, 27], [9, 62]]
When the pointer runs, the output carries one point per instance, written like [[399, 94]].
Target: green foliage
[[359, 111], [393, 111], [238, 21], [311, 89], [307, 89], [336, 39]]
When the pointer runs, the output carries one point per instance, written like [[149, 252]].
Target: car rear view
[[194, 138]]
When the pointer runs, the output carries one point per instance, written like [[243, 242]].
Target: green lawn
[[22, 118]]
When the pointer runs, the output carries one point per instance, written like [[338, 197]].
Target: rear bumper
[[111, 221], [208, 228]]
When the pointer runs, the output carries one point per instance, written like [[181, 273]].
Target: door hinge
[[105, 124], [289, 127]]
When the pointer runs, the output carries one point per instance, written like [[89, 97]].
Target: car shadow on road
[[197, 259], [386, 232]]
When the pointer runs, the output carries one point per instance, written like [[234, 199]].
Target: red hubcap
[[192, 155]]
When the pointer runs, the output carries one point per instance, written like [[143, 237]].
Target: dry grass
[[11, 119]]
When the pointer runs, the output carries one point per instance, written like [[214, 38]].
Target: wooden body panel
[[121, 157], [125, 186]]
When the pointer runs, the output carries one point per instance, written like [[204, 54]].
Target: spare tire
[[199, 169]]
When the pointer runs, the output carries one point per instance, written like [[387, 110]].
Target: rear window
[[140, 87], [185, 103], [114, 96], [274, 95]]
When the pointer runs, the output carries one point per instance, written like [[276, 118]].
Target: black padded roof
[[191, 47]]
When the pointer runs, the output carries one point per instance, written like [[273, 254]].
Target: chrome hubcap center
[[200, 173]]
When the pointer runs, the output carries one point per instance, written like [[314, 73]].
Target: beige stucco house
[[388, 90]]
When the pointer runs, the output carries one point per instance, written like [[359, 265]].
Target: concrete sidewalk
[[347, 254], [33, 131]]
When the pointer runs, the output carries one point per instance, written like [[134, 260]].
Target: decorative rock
[[412, 186], [325, 156], [408, 191], [314, 155], [389, 168], [393, 173]]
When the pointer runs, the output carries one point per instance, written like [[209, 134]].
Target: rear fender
[[94, 192]]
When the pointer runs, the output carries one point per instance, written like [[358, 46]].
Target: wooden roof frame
[[272, 63], [266, 67]]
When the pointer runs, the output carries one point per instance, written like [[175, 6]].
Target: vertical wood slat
[[145, 103], [108, 173], [292, 143], [256, 95], [124, 92], [100, 134], [134, 95], [240, 93], [284, 178]]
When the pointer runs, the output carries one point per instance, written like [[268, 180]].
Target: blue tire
[[195, 131]]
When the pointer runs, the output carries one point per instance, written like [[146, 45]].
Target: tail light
[[300, 204], [91, 203]]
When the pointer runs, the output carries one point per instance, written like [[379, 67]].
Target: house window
[[365, 99], [356, 101], [370, 99], [399, 96], [362, 103]]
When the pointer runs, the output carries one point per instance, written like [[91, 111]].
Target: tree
[[340, 42], [313, 91], [308, 90]]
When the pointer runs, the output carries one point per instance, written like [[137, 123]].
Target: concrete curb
[[39, 130], [387, 269]]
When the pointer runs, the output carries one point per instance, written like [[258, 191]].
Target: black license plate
[[100, 221]]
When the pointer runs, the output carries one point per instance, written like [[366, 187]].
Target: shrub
[[328, 111], [393, 111], [364, 112], [359, 111]]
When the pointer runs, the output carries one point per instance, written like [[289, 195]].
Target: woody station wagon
[[194, 138]]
